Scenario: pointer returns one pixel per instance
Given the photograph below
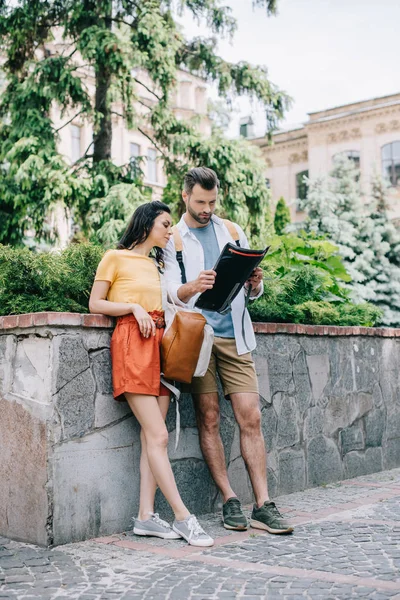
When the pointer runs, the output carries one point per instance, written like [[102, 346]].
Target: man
[[203, 236]]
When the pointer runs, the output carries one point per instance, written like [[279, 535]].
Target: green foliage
[[243, 196], [303, 284], [282, 216], [118, 43], [47, 281]]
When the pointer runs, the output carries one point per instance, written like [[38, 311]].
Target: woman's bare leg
[[148, 484], [148, 413]]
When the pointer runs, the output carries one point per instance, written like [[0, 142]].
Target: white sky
[[323, 53]]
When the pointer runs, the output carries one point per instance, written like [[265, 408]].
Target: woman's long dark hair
[[140, 226]]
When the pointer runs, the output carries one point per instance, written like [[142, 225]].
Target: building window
[[353, 155], [75, 143], [134, 150], [301, 185], [390, 154], [243, 130], [152, 165]]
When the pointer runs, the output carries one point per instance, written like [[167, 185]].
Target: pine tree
[[282, 216], [116, 41], [367, 239]]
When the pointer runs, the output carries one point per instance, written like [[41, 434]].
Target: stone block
[[318, 369], [391, 453], [288, 432], [108, 410], [341, 411], [313, 422], [186, 409], [101, 368], [188, 446], [24, 505], [351, 438], [73, 359], [96, 483], [269, 424], [292, 471], [302, 383], [374, 424], [272, 482], [32, 369], [195, 486], [324, 464], [393, 424], [8, 346], [240, 480], [280, 373], [75, 405], [262, 370], [363, 463]]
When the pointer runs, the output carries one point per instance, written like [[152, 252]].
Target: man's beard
[[198, 218]]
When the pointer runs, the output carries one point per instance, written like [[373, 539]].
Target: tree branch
[[152, 141], [68, 122], [147, 88]]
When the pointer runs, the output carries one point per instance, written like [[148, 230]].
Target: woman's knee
[[156, 439]]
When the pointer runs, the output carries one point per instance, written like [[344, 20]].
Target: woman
[[128, 286]]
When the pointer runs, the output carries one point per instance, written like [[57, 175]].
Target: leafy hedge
[[304, 283], [47, 281]]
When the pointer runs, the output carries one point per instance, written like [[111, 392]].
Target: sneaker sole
[[235, 527], [200, 544], [260, 525], [165, 536]]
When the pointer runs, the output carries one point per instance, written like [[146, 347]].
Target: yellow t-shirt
[[134, 279]]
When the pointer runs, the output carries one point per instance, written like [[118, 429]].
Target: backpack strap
[[178, 250], [232, 230]]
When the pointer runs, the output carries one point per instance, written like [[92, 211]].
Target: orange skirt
[[136, 364]]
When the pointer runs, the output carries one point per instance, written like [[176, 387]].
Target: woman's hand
[[146, 324]]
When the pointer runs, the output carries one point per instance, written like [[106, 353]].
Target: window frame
[[393, 160]]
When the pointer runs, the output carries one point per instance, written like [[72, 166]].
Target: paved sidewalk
[[346, 545]]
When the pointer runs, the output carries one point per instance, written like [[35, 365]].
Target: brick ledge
[[63, 319], [101, 321]]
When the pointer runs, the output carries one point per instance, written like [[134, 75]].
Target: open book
[[233, 267]]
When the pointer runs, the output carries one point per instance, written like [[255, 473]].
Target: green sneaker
[[269, 518], [232, 515]]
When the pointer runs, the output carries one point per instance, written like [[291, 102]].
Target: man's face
[[200, 203]]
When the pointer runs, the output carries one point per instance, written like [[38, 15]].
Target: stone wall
[[69, 454]]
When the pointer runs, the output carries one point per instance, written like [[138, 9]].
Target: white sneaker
[[155, 527], [191, 530]]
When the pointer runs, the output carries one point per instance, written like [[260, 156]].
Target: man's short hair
[[205, 177]]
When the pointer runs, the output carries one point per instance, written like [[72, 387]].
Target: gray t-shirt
[[221, 324]]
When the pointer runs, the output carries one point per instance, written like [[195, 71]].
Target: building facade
[[368, 132]]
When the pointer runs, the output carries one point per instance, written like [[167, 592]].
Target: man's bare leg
[[208, 419], [246, 408]]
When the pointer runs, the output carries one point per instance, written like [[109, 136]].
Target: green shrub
[[303, 283], [50, 281]]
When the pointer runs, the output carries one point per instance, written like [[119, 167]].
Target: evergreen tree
[[367, 239], [282, 216], [116, 41]]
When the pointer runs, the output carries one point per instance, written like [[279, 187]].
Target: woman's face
[[161, 231]]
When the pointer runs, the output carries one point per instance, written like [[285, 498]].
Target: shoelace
[[194, 527], [156, 519], [235, 507], [275, 511]]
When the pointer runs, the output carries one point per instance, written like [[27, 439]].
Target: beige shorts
[[237, 373]]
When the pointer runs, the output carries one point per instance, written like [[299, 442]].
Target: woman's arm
[[99, 305]]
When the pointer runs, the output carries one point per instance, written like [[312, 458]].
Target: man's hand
[[205, 281], [254, 281]]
